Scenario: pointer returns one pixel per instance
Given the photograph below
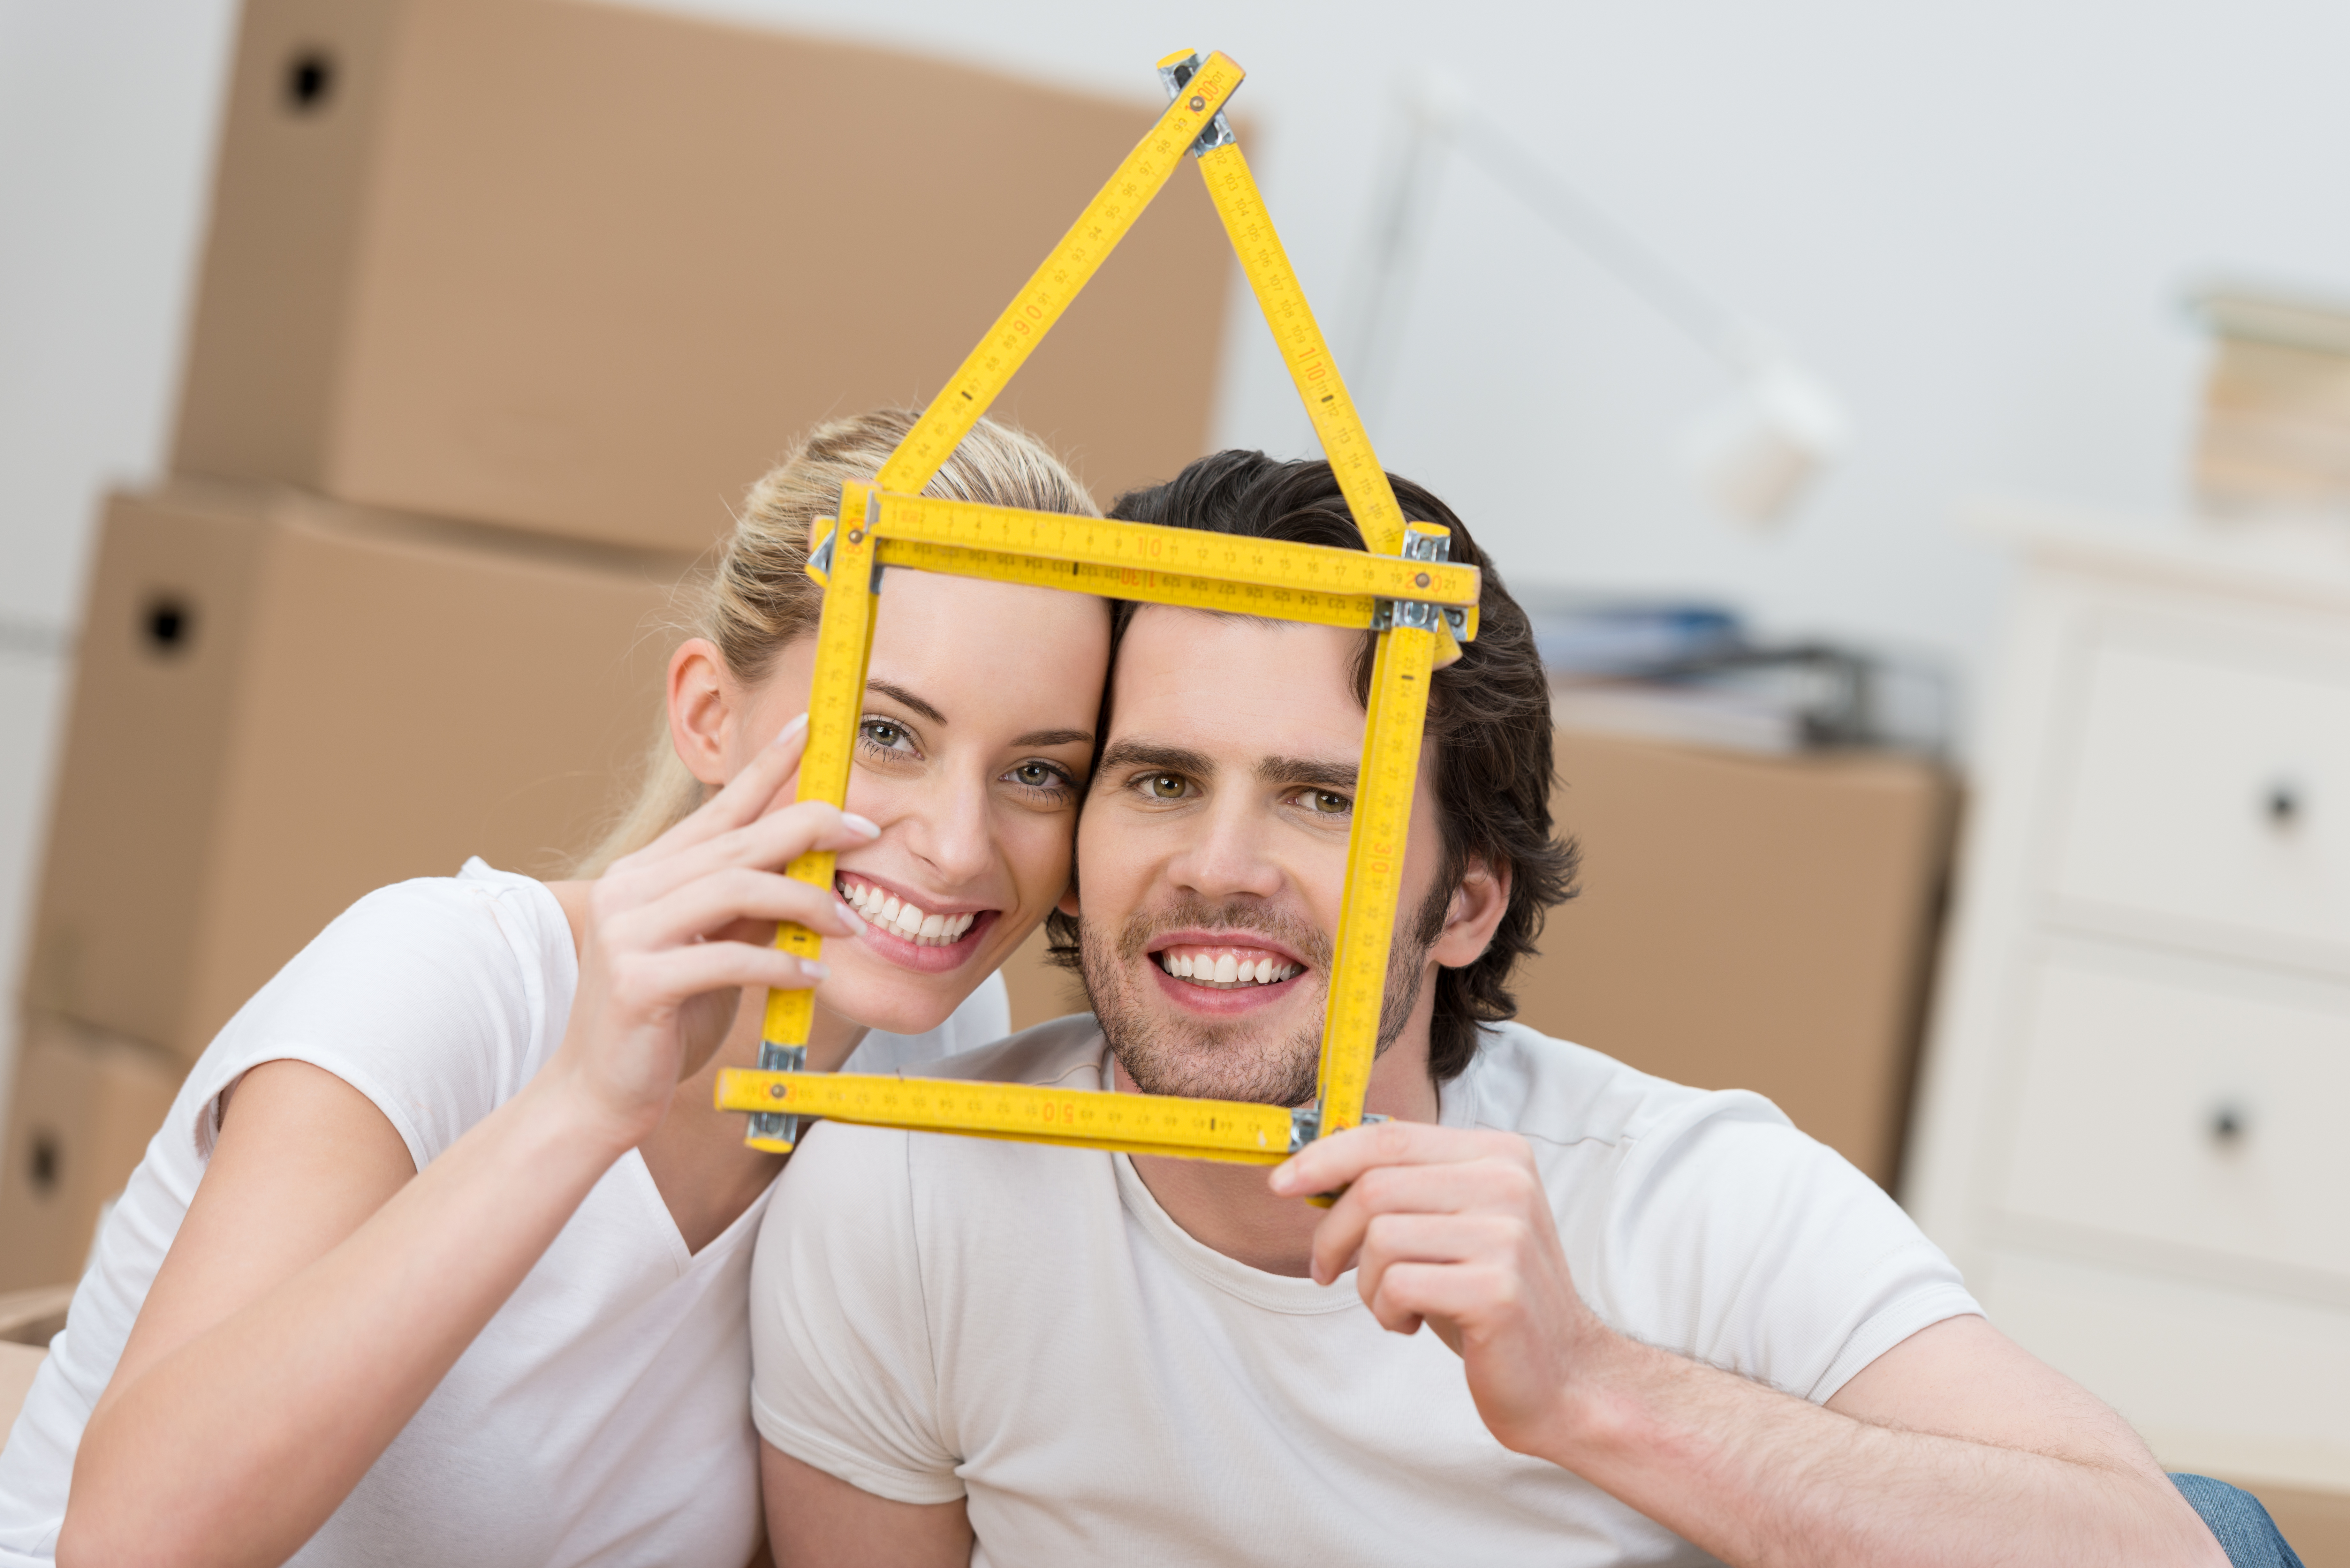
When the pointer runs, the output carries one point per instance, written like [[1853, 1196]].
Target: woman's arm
[[319, 1288]]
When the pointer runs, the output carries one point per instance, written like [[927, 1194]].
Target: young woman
[[443, 1255]]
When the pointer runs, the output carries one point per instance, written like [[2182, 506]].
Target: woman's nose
[[952, 830]]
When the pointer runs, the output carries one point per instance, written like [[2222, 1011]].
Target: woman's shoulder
[[437, 998]]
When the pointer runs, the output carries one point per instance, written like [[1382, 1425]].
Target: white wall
[[1971, 217]]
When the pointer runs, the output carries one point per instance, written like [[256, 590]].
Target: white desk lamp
[[1752, 457]]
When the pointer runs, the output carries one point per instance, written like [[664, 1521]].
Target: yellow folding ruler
[[1421, 604]]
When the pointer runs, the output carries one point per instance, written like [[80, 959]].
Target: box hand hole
[[309, 81]]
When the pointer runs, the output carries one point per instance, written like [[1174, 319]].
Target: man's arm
[[818, 1521], [1954, 1448]]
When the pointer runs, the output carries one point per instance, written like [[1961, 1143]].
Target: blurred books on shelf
[[1692, 672], [2275, 435]]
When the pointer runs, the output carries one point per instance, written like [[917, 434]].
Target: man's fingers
[[1330, 1163], [1499, 1186]]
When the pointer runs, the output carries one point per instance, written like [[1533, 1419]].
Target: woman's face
[[971, 754]]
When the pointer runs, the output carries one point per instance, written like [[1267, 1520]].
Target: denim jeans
[[2244, 1528]]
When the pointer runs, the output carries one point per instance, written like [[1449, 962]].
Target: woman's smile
[[913, 930]]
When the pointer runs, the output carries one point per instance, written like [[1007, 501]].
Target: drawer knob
[[2283, 804], [2229, 1124]]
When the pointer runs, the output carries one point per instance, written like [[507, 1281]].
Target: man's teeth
[[1224, 969], [902, 919]]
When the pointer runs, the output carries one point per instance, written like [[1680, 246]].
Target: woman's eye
[[1165, 786], [886, 735], [1039, 775]]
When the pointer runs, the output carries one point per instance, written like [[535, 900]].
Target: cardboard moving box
[[84, 1106], [1751, 923], [281, 703], [587, 269]]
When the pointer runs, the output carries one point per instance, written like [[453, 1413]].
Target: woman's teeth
[[904, 920], [1224, 969]]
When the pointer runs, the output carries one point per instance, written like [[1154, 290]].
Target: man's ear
[[1476, 909], [703, 708]]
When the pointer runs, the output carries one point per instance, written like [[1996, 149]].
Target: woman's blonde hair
[[759, 598]]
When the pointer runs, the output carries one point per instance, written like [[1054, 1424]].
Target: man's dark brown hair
[[1488, 715]]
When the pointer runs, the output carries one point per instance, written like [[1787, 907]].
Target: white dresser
[[2133, 1127]]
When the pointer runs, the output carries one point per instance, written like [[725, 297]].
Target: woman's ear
[[1477, 908], [703, 708]]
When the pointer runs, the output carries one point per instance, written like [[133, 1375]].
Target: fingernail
[[793, 728], [856, 921], [869, 829], [1281, 1181], [815, 969]]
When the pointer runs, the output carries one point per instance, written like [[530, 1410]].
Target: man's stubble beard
[[1202, 1060]]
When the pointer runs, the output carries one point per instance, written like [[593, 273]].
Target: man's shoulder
[[1558, 1092], [1065, 1050]]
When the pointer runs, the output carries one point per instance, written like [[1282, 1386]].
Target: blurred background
[[1923, 432]]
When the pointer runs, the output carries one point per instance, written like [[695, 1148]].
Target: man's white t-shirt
[[600, 1415], [1023, 1327]]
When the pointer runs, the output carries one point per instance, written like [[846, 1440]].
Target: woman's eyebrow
[[890, 688], [1056, 738]]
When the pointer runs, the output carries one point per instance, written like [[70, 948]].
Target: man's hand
[[1451, 1227]]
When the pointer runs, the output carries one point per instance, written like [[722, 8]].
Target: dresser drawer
[[2184, 1114], [2213, 794]]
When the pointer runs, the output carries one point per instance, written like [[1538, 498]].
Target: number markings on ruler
[[1091, 1118], [1354, 611], [1281, 300], [1049, 290], [1148, 546]]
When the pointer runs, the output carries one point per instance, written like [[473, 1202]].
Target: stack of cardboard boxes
[[504, 301]]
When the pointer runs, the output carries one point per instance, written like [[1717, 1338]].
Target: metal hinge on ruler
[[1422, 543], [1305, 1126], [778, 1126], [1176, 74]]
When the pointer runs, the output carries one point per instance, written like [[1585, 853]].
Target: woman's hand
[[676, 931]]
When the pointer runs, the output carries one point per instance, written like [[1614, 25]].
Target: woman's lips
[[932, 941]]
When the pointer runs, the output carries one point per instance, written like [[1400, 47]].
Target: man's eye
[[1166, 786], [1323, 803]]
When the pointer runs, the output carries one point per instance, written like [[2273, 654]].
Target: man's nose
[[1230, 854]]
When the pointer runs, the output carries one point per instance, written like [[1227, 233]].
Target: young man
[[1660, 1322]]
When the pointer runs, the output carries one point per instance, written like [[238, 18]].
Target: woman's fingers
[[745, 796], [770, 843], [707, 906], [655, 982]]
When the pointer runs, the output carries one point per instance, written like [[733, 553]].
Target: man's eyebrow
[[1055, 738], [1142, 753], [888, 688], [1312, 771]]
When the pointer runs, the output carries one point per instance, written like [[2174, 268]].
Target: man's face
[[1211, 855]]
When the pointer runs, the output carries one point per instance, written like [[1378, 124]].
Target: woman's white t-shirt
[[603, 1414]]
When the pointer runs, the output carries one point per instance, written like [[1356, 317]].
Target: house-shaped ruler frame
[[1420, 605]]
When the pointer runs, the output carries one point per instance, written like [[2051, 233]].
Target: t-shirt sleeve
[[843, 1376], [1734, 1239], [431, 998]]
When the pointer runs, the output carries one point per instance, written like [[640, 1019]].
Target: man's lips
[[1224, 960]]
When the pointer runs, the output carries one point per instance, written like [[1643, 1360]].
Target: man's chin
[[1166, 1054]]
